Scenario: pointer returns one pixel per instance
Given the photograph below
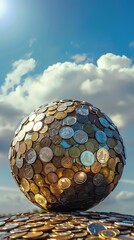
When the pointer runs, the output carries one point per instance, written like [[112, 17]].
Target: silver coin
[[15, 140], [69, 120], [10, 226], [46, 154], [31, 156], [32, 116], [21, 135], [66, 132], [29, 126], [62, 107], [37, 126], [87, 158], [39, 117], [19, 162], [28, 171], [82, 111]]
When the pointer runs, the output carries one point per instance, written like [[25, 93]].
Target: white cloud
[[20, 68], [79, 58], [125, 196], [131, 44], [31, 42], [118, 119], [127, 181], [108, 85]]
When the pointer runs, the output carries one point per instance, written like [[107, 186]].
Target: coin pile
[[67, 156], [78, 225]]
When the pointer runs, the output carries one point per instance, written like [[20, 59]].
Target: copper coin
[[28, 171], [46, 154], [34, 235], [28, 143], [45, 191], [25, 184], [60, 172], [111, 163], [52, 177], [57, 161], [49, 167], [37, 165], [54, 188], [45, 142], [69, 173], [49, 119], [105, 171], [67, 162], [110, 177], [56, 139], [59, 151], [51, 199], [64, 183], [56, 125], [96, 167], [80, 177], [38, 179]]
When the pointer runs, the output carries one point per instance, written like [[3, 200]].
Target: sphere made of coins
[[67, 156]]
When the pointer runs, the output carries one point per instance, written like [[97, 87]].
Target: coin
[[28, 171], [38, 179], [46, 154], [52, 177], [60, 115], [29, 126], [80, 136], [49, 119], [41, 200], [95, 228], [39, 117], [34, 188], [69, 120], [102, 155], [104, 122], [25, 184], [101, 136], [22, 147], [17, 235], [28, 143], [87, 158], [111, 142], [64, 183], [66, 132], [37, 126], [80, 177], [98, 179], [107, 233], [21, 135], [37, 165], [32, 235], [74, 152], [35, 136], [69, 173], [96, 167], [49, 167], [66, 162], [31, 156], [82, 111], [19, 162]]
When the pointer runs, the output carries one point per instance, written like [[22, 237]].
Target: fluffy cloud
[[79, 58]]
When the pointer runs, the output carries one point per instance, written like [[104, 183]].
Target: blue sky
[[57, 42]]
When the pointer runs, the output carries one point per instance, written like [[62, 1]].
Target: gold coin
[[64, 183], [41, 200], [52, 108], [110, 178], [60, 115], [70, 109], [75, 168], [105, 172], [32, 235], [49, 167], [86, 169], [67, 162], [54, 188], [17, 235], [52, 177], [45, 191], [28, 143], [43, 228], [35, 136], [80, 177], [34, 188], [111, 163], [38, 179], [96, 167], [102, 155], [22, 147], [44, 129], [107, 233], [51, 199], [12, 161], [25, 184], [50, 113], [93, 238]]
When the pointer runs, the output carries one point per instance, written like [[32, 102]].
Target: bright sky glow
[[3, 8]]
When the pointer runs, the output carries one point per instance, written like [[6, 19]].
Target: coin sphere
[[67, 155]]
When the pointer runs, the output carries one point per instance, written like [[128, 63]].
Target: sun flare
[[3, 8]]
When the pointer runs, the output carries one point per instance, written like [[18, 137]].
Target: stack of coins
[[67, 156], [77, 226]]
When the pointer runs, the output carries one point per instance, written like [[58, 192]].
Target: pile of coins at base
[[67, 155], [53, 226]]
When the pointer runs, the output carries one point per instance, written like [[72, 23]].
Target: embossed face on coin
[[67, 155]]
